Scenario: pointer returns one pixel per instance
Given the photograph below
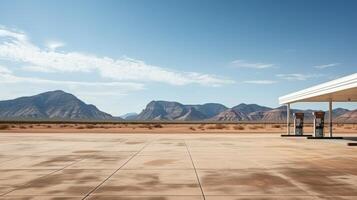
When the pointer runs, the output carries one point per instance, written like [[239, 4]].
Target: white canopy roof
[[340, 90]]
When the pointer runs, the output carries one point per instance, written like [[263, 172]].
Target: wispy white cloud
[[261, 82], [37, 69], [16, 47], [298, 77], [245, 64], [326, 65], [53, 45], [4, 70], [6, 76]]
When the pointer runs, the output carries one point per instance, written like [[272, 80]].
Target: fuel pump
[[319, 123], [299, 123]]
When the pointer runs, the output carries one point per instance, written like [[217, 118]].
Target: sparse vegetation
[[4, 127], [192, 128], [238, 127], [90, 126], [217, 126], [80, 127], [157, 126], [22, 127], [202, 127], [148, 126], [276, 126], [253, 127]]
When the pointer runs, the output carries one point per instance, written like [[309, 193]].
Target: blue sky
[[119, 55]]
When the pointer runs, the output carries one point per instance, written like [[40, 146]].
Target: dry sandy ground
[[162, 128], [174, 167]]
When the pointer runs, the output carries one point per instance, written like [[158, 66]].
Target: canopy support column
[[330, 116], [288, 118]]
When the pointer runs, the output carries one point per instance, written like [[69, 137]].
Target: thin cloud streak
[[53, 45], [297, 76], [260, 82], [6, 76], [245, 64], [16, 47], [326, 66]]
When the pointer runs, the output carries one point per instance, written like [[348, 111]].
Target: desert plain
[[162, 127], [173, 162]]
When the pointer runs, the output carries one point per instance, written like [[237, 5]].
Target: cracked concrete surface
[[174, 167]]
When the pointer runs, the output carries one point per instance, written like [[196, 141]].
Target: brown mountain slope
[[230, 115], [348, 117]]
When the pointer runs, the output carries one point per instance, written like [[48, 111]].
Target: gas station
[[339, 90]]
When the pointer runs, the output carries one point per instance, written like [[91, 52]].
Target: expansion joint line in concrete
[[55, 171], [194, 167], [105, 180]]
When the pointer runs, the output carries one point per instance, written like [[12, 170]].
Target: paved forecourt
[[175, 167]]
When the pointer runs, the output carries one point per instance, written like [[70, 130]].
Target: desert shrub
[[201, 126], [90, 126], [192, 128], [157, 126], [217, 126], [220, 126], [211, 127], [348, 127], [238, 127], [256, 127], [276, 126], [4, 127], [145, 126], [80, 127], [23, 127], [253, 127], [30, 126], [49, 126]]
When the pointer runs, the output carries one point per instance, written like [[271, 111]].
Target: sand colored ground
[[174, 167], [162, 128]]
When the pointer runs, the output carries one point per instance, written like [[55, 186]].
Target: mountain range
[[61, 105], [50, 105], [166, 110]]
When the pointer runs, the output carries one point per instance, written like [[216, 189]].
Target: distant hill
[[50, 105], [192, 114], [170, 110], [230, 115], [209, 109], [348, 117], [61, 105], [166, 110], [250, 108], [129, 116]]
